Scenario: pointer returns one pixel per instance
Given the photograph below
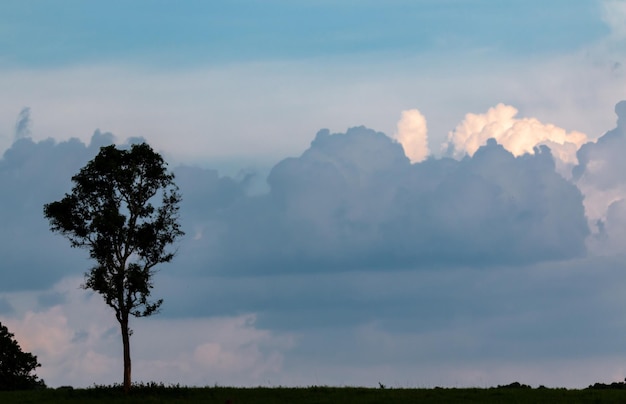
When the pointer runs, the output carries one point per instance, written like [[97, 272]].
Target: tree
[[16, 366], [123, 208]]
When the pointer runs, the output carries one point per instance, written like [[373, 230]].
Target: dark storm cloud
[[342, 239], [353, 201], [440, 262]]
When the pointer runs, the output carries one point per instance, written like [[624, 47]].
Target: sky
[[415, 193]]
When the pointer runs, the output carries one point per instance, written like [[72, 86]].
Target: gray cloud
[[609, 150], [5, 306], [600, 176], [440, 262], [32, 174], [49, 299], [424, 318], [23, 124], [353, 201]]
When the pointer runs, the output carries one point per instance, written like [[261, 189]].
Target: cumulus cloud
[[517, 135], [411, 312], [353, 201], [412, 134], [595, 167], [351, 243], [599, 175]]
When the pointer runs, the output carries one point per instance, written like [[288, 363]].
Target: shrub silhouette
[[16, 366]]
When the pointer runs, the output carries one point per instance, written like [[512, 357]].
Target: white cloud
[[517, 135], [413, 135]]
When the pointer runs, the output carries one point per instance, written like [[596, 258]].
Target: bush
[[16, 366]]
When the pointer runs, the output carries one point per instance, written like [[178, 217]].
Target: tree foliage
[[123, 208], [16, 366]]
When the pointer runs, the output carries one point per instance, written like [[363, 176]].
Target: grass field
[[311, 395]]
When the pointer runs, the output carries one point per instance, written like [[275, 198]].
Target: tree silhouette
[[123, 208], [16, 366]]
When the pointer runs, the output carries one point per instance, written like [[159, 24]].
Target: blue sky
[[196, 32], [293, 68], [416, 193]]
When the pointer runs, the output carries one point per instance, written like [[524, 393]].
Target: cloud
[[419, 328], [286, 101], [427, 274], [610, 231], [595, 167], [353, 201], [412, 135], [23, 124], [32, 174], [519, 136], [614, 15], [78, 343], [352, 244], [5, 306], [599, 175], [402, 328], [69, 353]]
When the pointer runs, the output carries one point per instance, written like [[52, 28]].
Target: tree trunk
[[126, 344]]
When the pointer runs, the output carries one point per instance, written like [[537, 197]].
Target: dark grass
[[158, 393]]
